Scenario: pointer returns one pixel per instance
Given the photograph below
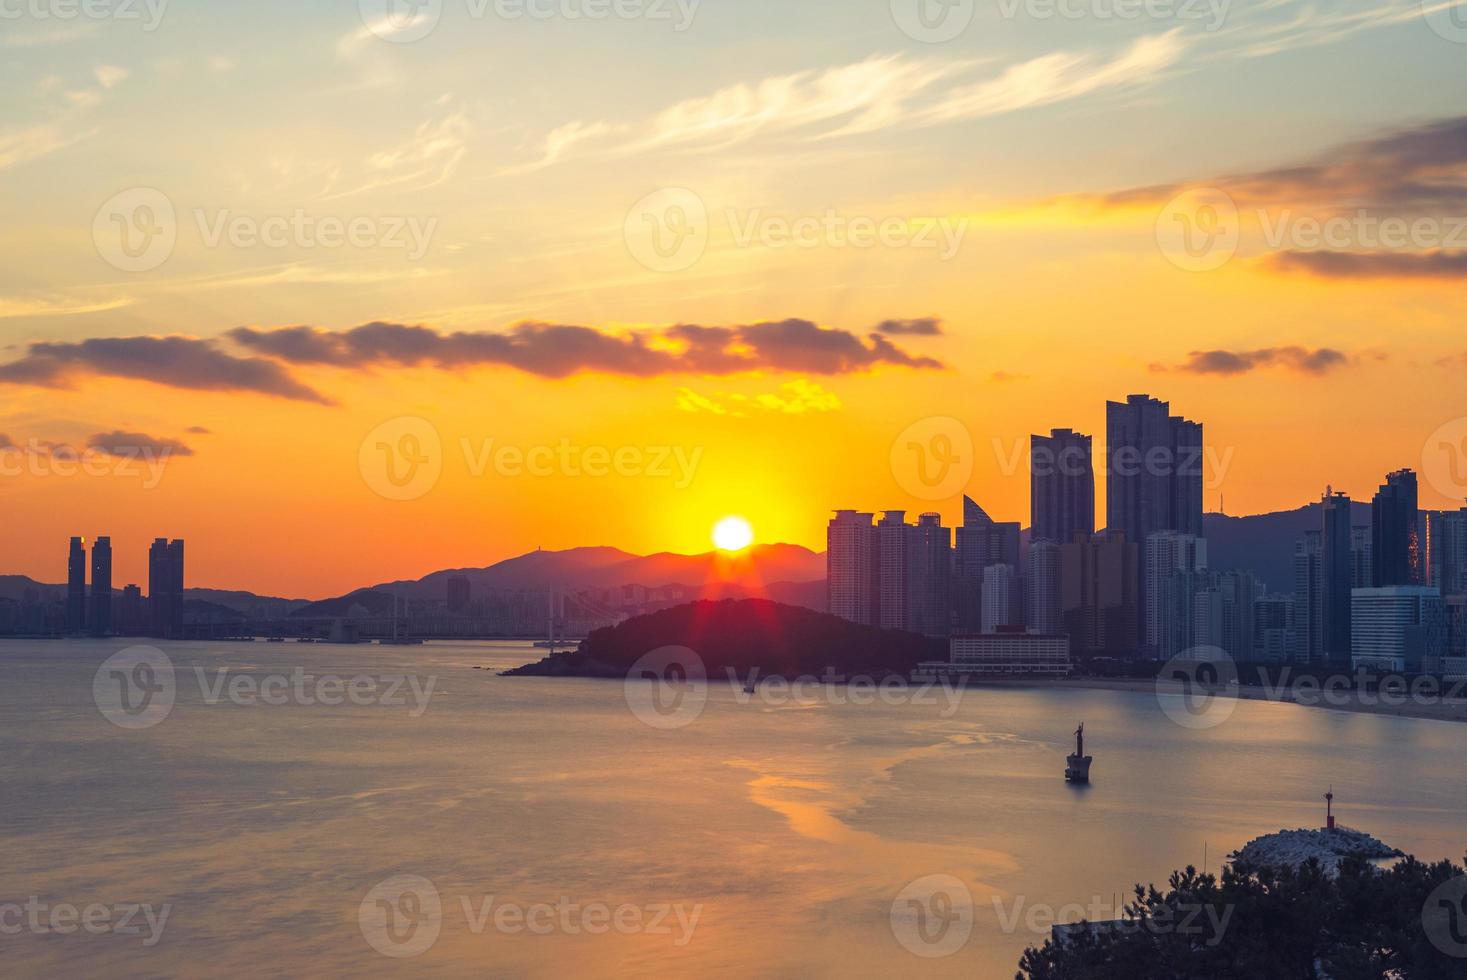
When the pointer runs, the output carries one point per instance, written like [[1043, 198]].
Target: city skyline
[[1029, 174]]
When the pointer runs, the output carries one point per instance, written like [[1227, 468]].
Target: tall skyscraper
[[1336, 576], [76, 587], [1175, 565], [1154, 464], [929, 571], [852, 570], [99, 619], [891, 557], [1446, 551], [1309, 597], [1395, 551], [165, 587], [1061, 486], [1099, 585], [1045, 612]]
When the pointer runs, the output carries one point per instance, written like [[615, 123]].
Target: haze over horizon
[[745, 287]]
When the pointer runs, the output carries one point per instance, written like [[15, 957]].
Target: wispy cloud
[[1440, 264], [1228, 362], [880, 93], [561, 350], [176, 362]]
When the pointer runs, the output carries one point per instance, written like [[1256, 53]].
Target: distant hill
[[744, 635], [606, 568], [1264, 543], [15, 587]]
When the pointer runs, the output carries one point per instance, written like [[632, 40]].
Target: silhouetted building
[[1398, 628], [1099, 582], [1336, 574], [99, 619], [1061, 486], [981, 543], [458, 592], [1045, 612], [1309, 597], [130, 620], [1395, 547], [165, 587], [891, 546], [1154, 467], [929, 577], [76, 587], [1446, 551], [852, 568]]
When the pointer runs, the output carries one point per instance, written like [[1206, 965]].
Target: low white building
[[1003, 654], [1400, 628]]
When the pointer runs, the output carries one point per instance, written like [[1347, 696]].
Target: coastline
[[1437, 708]]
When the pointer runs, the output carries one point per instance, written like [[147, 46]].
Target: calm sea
[[525, 827]]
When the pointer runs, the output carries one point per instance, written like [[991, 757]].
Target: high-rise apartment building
[[1395, 547], [76, 586], [165, 587], [1099, 580], [1175, 566], [1045, 597], [852, 572], [1446, 551], [1336, 575], [1061, 486], [1154, 468], [929, 577], [99, 614]]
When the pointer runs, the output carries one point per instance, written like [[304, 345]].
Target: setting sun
[[733, 534]]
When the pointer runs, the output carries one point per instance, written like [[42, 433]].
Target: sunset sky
[[1029, 186]]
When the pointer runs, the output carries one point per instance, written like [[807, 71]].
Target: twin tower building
[[103, 613]]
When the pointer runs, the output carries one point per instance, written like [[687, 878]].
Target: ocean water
[[528, 827]]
